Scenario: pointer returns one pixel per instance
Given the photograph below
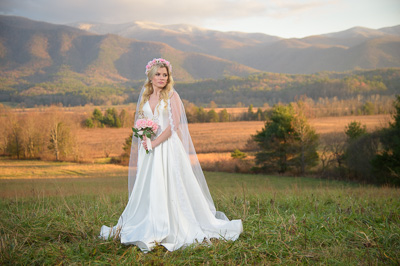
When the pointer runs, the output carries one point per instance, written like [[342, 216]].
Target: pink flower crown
[[157, 61]]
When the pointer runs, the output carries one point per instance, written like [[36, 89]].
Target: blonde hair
[[165, 92]]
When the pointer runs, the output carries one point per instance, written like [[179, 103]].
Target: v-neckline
[[152, 111]]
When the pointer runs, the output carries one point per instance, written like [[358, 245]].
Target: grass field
[[214, 137], [55, 215]]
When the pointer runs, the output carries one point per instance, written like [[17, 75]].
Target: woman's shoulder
[[173, 94]]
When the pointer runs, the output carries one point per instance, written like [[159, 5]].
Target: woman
[[169, 201]]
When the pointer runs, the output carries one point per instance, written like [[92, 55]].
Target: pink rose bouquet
[[145, 127]]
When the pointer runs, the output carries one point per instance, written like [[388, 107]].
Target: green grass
[[286, 220]]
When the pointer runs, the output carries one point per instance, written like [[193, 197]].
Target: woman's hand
[[144, 143]]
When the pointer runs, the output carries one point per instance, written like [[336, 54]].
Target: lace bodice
[[160, 115]]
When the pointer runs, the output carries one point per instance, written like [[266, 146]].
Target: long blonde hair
[[165, 92]]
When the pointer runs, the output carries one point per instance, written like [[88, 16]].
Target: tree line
[[288, 143], [47, 135], [257, 89]]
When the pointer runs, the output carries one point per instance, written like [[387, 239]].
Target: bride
[[169, 201]]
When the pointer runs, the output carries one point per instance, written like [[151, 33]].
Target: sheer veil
[[179, 125]]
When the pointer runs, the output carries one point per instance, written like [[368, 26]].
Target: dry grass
[[97, 142], [325, 125], [21, 169], [220, 138]]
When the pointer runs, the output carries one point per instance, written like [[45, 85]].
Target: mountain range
[[355, 48], [34, 51], [37, 51]]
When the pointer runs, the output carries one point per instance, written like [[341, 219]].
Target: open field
[[214, 137], [286, 220]]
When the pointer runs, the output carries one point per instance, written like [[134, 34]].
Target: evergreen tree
[[306, 144], [286, 141], [97, 115], [276, 141], [387, 162], [355, 130]]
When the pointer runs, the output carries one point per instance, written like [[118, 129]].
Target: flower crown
[[157, 61]]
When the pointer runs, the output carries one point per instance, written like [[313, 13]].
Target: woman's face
[[160, 79]]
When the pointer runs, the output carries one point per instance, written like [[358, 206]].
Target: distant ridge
[[326, 52], [38, 50], [43, 63], [271, 53]]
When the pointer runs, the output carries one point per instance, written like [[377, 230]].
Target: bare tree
[[12, 131], [32, 135], [60, 139]]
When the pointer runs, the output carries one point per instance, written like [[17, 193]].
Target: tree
[[368, 108], [89, 123], [306, 143], [201, 115], [97, 115], [259, 115], [387, 162], [212, 116], [213, 105], [14, 143], [287, 141], [127, 145], [276, 141], [123, 117], [237, 154], [360, 152], [4, 128], [224, 116], [60, 140], [355, 130], [250, 113], [32, 135], [13, 140]]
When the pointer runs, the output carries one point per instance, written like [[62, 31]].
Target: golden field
[[213, 137]]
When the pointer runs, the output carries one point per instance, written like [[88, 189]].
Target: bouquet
[[145, 127]]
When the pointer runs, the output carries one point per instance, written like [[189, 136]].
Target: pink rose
[[155, 127], [140, 123], [149, 123]]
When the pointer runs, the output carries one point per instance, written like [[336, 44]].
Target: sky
[[283, 18]]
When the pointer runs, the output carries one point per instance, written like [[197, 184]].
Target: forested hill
[[43, 64], [35, 52], [273, 88], [358, 47], [256, 89]]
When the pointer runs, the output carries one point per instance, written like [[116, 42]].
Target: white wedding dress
[[167, 205]]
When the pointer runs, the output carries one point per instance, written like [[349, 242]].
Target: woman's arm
[[160, 139], [163, 137]]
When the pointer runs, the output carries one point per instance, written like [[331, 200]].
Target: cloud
[[287, 8], [161, 11]]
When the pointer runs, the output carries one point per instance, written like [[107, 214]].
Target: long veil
[[179, 125]]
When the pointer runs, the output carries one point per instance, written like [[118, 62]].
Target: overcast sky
[[284, 18]]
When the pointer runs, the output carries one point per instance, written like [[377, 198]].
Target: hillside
[[43, 64], [256, 89], [39, 52], [338, 51]]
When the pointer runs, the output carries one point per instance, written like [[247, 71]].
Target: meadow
[[211, 138], [214, 142], [51, 213]]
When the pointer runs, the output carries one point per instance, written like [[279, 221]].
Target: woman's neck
[[156, 91]]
